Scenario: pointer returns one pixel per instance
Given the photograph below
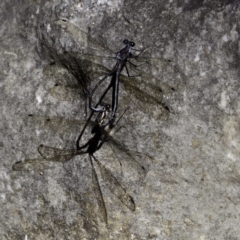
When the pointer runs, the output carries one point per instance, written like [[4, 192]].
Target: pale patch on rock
[[56, 195], [231, 133], [224, 100], [225, 38]]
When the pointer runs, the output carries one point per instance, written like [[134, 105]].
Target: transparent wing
[[62, 126], [49, 154], [127, 155], [55, 124], [84, 39], [98, 192], [56, 154], [115, 187], [65, 93], [154, 83], [69, 70], [31, 164], [73, 76], [146, 95]]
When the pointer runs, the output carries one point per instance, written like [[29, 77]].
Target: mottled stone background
[[191, 189]]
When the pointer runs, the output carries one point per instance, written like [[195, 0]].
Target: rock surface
[[191, 186]]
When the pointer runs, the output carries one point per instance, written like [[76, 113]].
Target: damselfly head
[[126, 42], [132, 44], [107, 106]]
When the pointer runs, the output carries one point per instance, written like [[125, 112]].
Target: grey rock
[[191, 156]]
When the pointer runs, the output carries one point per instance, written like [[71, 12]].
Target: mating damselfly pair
[[82, 71]]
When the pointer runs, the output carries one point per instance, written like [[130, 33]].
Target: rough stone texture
[[191, 188]]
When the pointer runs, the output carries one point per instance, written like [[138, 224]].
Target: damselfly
[[51, 154], [143, 91]]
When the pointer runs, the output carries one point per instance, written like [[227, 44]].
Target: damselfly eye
[[132, 44], [125, 41]]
